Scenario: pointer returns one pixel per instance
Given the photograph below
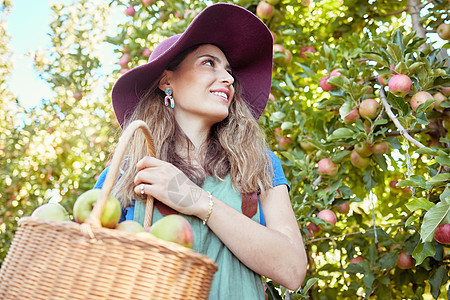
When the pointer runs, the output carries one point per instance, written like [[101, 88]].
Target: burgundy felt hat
[[243, 37]]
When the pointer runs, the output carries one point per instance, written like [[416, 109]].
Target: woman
[[201, 94]]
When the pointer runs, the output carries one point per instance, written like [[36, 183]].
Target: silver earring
[[169, 98]]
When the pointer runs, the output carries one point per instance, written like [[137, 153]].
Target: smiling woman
[[201, 93]]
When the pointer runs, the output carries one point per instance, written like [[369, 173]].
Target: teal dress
[[233, 280]]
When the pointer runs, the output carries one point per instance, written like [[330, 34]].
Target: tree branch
[[410, 131], [394, 119], [397, 12]]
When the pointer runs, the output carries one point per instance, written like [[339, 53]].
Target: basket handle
[[111, 176]]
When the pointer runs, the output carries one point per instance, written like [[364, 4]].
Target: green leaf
[[309, 284], [368, 279], [443, 160], [277, 116], [339, 156], [445, 196], [438, 279], [388, 261], [419, 203], [287, 125], [395, 51], [415, 180], [339, 81], [432, 219], [288, 80], [414, 67], [426, 150], [377, 58], [439, 180], [422, 251], [341, 133], [381, 161]]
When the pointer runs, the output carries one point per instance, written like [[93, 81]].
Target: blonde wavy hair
[[235, 146]]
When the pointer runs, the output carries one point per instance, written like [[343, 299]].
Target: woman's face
[[202, 86]]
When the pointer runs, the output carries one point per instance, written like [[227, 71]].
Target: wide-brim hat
[[242, 36]]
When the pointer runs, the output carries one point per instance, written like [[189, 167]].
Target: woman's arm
[[275, 251]]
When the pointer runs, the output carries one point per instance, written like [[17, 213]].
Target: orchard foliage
[[387, 184]]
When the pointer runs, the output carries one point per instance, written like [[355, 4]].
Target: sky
[[28, 28]]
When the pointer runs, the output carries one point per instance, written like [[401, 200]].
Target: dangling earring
[[169, 98]]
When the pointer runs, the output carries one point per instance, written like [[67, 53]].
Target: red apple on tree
[[264, 10], [313, 229], [419, 98], [439, 97], [358, 160], [356, 259], [147, 2], [352, 116], [327, 167], [125, 60], [309, 49], [328, 216], [443, 31], [344, 207], [130, 11], [400, 85], [442, 234], [446, 91], [146, 52], [77, 95], [325, 85], [285, 141], [364, 149], [381, 148], [307, 146], [405, 261], [85, 203], [369, 108], [384, 79]]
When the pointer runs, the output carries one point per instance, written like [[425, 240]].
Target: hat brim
[[243, 37]]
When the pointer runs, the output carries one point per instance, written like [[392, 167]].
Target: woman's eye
[[209, 62]]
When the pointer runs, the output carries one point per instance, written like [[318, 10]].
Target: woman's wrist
[[207, 207]]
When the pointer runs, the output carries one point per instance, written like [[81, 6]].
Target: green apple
[[51, 211], [130, 226], [85, 203], [174, 228]]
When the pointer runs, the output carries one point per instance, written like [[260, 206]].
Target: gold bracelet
[[211, 205]]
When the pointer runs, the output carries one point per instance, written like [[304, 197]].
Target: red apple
[[147, 2], [85, 203], [344, 207], [419, 98], [125, 60], [174, 228], [442, 234], [264, 10], [51, 211], [359, 161], [439, 97], [285, 141], [77, 95], [364, 149], [381, 148], [336, 73], [384, 79], [356, 259], [130, 11], [352, 116], [328, 216], [130, 226], [307, 146], [400, 85], [446, 91], [325, 85], [369, 108], [146, 52], [443, 31], [313, 229], [405, 261], [306, 49], [327, 167], [271, 97]]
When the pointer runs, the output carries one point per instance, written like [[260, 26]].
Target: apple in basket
[[85, 203], [174, 228], [130, 226], [51, 211]]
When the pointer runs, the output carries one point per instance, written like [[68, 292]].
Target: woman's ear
[[164, 82]]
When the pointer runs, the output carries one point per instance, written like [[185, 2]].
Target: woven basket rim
[[93, 233]]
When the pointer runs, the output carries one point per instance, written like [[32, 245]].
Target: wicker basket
[[66, 260]]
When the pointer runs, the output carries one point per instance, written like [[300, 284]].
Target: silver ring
[[142, 190]]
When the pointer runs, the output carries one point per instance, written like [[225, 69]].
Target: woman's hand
[[168, 184]]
